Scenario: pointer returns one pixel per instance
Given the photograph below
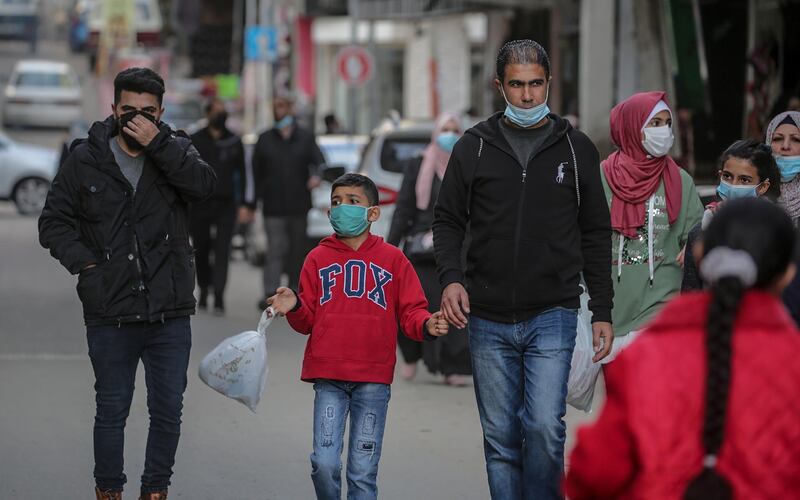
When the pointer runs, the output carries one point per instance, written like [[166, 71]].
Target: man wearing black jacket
[[285, 163], [116, 215], [529, 187], [223, 150]]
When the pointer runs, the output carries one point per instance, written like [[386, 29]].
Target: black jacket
[[407, 219], [145, 264], [532, 233], [226, 157], [282, 167]]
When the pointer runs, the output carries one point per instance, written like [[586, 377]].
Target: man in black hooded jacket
[[116, 215], [529, 187]]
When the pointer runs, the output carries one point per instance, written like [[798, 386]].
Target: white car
[[42, 93], [25, 174]]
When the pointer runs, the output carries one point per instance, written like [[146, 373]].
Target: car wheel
[[30, 194]]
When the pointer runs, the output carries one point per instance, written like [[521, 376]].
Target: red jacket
[[351, 302], [647, 444]]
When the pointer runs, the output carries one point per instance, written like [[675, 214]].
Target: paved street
[[432, 447]]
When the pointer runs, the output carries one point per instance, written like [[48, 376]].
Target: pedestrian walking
[[411, 227], [746, 170], [213, 220], [117, 216], [783, 136], [654, 204], [354, 291], [701, 406], [528, 185], [285, 163]]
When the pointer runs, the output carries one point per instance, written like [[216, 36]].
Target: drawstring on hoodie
[[650, 234]]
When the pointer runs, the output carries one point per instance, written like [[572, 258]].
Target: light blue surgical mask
[[349, 220], [286, 121], [728, 191], [789, 167], [525, 117], [446, 141]]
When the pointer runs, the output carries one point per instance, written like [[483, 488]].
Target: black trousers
[[217, 217], [448, 355]]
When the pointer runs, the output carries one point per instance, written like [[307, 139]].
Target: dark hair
[[760, 156], [139, 80], [329, 119], [522, 52], [358, 180], [765, 232]]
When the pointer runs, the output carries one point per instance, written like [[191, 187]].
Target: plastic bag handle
[[266, 318]]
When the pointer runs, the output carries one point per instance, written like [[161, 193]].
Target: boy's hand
[[437, 325], [283, 301]]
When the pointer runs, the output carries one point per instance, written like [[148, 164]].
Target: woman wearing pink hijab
[[653, 203], [411, 227]]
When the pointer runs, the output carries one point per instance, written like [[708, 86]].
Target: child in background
[[354, 291], [704, 404]]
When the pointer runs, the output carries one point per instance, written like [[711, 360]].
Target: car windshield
[[347, 155], [397, 150], [43, 79]]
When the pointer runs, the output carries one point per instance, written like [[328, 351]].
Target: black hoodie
[[138, 240], [532, 232]]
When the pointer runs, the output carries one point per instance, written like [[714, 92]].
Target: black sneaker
[[219, 307], [202, 301]]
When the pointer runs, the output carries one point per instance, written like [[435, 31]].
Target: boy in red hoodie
[[354, 290]]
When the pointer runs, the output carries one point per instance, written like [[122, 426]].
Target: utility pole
[[352, 10]]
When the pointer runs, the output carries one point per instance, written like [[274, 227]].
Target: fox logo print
[[355, 281]]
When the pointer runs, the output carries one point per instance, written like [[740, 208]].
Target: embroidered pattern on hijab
[[631, 173], [790, 191], [434, 161]]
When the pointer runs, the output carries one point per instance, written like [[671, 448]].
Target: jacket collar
[[335, 243], [489, 131], [757, 310]]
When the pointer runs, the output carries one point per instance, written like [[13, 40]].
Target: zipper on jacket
[[141, 286], [517, 234]]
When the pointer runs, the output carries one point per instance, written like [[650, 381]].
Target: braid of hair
[[709, 484]]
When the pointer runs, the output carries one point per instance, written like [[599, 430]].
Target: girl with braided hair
[[704, 404]]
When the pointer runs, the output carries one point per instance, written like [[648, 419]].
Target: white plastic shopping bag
[[583, 372], [237, 367]]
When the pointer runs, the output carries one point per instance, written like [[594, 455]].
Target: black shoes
[[202, 301]]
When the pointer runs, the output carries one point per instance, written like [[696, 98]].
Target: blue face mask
[[349, 220], [789, 167], [446, 141], [728, 191], [284, 122], [523, 117]]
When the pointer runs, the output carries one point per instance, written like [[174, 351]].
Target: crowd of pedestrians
[[498, 228]]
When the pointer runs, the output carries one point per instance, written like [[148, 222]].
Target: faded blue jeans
[[521, 372], [366, 404]]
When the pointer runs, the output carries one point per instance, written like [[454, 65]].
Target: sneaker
[[456, 380], [159, 495], [107, 494], [202, 301], [408, 371]]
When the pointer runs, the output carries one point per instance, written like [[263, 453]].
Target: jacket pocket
[[352, 337], [539, 281], [91, 291], [490, 271], [183, 276], [92, 194]]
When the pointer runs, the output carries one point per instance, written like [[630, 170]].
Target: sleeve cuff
[[452, 276], [601, 316], [299, 302]]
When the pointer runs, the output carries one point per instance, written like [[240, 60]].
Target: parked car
[[42, 93], [147, 23], [383, 162], [19, 20], [26, 172]]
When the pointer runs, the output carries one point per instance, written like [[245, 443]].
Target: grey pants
[[287, 246]]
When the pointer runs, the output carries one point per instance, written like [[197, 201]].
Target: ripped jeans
[[366, 403]]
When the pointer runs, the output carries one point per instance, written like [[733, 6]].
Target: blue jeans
[[520, 373], [367, 404], [115, 353]]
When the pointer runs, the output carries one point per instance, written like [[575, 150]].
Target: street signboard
[[355, 65], [261, 43]]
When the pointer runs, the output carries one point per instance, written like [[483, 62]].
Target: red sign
[[355, 65]]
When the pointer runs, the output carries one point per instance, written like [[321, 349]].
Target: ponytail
[[726, 293]]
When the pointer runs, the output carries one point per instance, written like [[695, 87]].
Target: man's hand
[[283, 301], [141, 129], [681, 257], [313, 182], [602, 339], [455, 305], [437, 325], [246, 215]]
